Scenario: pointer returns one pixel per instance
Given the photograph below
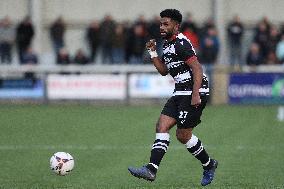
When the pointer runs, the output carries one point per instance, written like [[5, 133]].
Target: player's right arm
[[160, 66]]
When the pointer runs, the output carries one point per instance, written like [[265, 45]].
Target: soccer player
[[185, 107]]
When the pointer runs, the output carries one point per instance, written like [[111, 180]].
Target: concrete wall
[[82, 10], [16, 9], [85, 10], [252, 10]]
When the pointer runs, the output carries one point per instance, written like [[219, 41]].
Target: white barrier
[[150, 86], [87, 87], [108, 82]]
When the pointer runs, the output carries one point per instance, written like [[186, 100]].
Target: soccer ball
[[61, 163]]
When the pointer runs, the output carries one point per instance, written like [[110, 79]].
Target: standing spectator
[[93, 39], [57, 31], [107, 30], [119, 44], [254, 56], [282, 28], [24, 36], [193, 37], [280, 49], [235, 32], [190, 30], [63, 57], [273, 38], [209, 51], [136, 42], [209, 23], [154, 33], [7, 38], [189, 23], [261, 37], [81, 58], [128, 33], [142, 22], [266, 22]]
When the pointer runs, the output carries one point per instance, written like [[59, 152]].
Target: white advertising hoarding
[[87, 86], [150, 86]]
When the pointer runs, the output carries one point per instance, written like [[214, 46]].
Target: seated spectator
[[280, 49], [271, 58], [273, 38], [29, 57], [81, 58], [63, 57], [254, 56]]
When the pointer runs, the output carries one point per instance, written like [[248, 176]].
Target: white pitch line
[[77, 147], [122, 147]]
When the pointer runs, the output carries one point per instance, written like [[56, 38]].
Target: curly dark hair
[[173, 14]]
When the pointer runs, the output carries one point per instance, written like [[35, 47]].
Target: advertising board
[[87, 86], [256, 88]]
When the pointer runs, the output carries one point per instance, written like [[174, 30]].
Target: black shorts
[[179, 107]]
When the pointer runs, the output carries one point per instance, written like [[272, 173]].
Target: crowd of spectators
[[267, 46], [124, 42]]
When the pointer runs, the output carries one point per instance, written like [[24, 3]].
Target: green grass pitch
[[248, 142]]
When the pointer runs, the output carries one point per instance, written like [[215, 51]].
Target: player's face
[[168, 27]]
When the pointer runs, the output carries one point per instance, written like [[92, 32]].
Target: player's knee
[[182, 136], [161, 129]]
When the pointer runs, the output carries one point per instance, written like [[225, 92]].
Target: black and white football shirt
[[175, 54]]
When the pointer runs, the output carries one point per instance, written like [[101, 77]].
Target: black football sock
[[158, 151], [195, 147]]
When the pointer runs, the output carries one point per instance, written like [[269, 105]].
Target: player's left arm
[[197, 73], [187, 53]]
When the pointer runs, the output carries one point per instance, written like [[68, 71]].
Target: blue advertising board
[[256, 88], [21, 89]]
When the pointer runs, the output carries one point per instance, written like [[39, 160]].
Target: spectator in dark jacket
[[154, 33], [107, 30], [235, 32], [57, 31], [93, 39], [254, 56], [63, 57], [81, 58], [119, 44], [273, 38], [136, 42], [29, 58], [24, 36], [261, 37]]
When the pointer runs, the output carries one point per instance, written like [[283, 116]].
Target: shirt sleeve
[[185, 50]]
